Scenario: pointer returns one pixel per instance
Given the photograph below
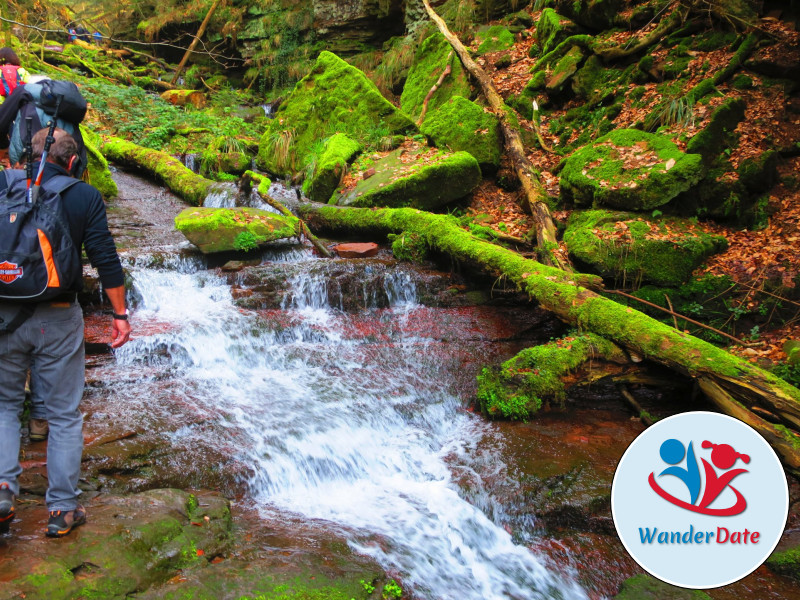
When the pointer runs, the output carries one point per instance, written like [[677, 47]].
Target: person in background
[[11, 72]]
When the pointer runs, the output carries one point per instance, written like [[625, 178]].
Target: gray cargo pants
[[50, 343]]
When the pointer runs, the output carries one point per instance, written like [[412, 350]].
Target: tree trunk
[[196, 39], [535, 194], [731, 382], [184, 182]]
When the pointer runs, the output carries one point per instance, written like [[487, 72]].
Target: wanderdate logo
[[699, 500]]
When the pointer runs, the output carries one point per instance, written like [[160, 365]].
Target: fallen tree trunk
[[262, 188], [535, 194], [183, 181], [568, 297]]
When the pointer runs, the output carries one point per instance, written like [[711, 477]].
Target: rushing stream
[[349, 419]]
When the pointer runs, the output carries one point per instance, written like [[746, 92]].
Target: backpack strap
[[60, 183], [13, 176], [25, 313]]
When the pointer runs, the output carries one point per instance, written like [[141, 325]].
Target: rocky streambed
[[292, 427]]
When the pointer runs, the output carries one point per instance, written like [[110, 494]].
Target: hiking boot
[[6, 507], [62, 522], [38, 430]]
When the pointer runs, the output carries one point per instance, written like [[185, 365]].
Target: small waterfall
[[221, 195], [190, 162], [339, 418], [267, 110]]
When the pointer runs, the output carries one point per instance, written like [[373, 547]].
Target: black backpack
[[38, 260]]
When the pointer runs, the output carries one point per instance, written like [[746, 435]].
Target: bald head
[[62, 149]]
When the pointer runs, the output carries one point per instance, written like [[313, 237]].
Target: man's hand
[[121, 333]]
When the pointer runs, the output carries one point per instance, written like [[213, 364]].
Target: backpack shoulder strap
[[60, 183], [13, 176]]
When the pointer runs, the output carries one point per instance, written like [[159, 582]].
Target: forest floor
[[763, 263]]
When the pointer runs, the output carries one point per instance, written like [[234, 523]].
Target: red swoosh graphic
[[737, 508]]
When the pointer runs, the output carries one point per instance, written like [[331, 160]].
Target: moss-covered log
[[184, 182], [568, 297]]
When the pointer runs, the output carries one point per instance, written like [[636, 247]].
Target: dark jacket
[[85, 212]]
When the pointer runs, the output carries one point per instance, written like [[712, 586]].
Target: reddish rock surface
[[356, 250]]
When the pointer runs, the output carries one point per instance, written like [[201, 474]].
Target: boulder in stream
[[241, 228], [339, 152]]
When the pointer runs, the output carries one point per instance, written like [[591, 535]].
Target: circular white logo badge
[[699, 500]]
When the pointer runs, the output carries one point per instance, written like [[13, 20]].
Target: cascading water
[[336, 421]]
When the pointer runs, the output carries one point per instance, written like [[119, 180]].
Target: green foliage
[[392, 590]]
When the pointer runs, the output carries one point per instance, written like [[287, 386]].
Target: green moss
[[786, 562], [717, 134], [632, 250], [426, 184], [564, 69], [494, 39], [188, 185], [552, 29], [241, 228], [599, 174], [463, 125], [595, 15], [99, 173], [429, 62], [517, 388], [645, 587], [742, 82], [334, 98], [409, 246], [329, 169]]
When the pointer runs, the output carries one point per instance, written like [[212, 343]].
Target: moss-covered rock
[[334, 98], [564, 70], [517, 388], [552, 29], [494, 38], [429, 62], [241, 228], [339, 152], [630, 249], [629, 169], [786, 562], [595, 15], [717, 134], [463, 125], [128, 545], [646, 587], [419, 178]]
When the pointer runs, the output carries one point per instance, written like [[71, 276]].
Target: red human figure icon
[[724, 457]]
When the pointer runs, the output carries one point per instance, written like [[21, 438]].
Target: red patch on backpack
[[9, 272]]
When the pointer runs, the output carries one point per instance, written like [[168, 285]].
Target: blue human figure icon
[[672, 452]]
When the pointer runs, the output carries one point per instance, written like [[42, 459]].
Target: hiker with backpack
[[11, 72], [38, 101], [41, 322]]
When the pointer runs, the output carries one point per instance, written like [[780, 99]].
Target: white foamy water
[[337, 426]]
